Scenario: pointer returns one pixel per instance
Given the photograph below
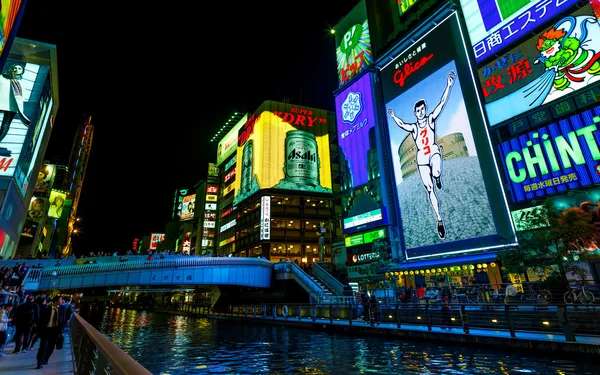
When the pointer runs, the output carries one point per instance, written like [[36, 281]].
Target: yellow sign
[[211, 198], [284, 146], [228, 189]]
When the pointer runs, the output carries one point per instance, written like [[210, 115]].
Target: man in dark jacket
[[51, 325], [25, 315]]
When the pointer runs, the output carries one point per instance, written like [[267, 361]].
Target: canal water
[[170, 344]]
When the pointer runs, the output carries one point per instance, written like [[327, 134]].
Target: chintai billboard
[[553, 159], [448, 187]]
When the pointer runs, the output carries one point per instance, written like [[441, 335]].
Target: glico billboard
[[284, 146], [494, 25], [359, 164], [557, 61], [554, 159], [440, 148], [25, 114], [353, 44], [228, 144]]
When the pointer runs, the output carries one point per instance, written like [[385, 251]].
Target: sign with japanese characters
[[561, 59], [265, 218], [526, 219], [155, 239], [439, 149], [355, 113], [494, 25], [554, 159], [353, 44]]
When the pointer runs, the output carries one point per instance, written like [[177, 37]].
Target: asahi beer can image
[[302, 158], [284, 146]]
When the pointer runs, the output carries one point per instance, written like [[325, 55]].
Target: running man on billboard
[[429, 153]]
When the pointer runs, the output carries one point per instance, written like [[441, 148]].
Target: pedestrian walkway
[[61, 361]]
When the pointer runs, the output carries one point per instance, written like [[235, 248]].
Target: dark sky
[[160, 81]]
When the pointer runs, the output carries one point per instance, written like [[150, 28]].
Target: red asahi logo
[[408, 69]]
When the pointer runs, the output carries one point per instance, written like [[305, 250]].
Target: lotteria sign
[[553, 159]]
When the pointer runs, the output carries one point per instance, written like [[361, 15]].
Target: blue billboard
[[358, 160], [553, 159], [494, 25]]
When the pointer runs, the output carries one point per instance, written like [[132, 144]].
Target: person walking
[[4, 320], [35, 332], [25, 315], [375, 310], [52, 328], [365, 300], [446, 319]]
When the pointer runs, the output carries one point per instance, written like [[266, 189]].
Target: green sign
[[523, 218], [364, 238], [354, 240], [361, 219]]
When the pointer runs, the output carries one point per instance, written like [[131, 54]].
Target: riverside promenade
[[558, 339], [61, 362]]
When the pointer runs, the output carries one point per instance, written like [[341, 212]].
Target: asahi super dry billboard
[[284, 146]]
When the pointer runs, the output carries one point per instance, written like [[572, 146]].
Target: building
[[23, 145], [281, 203]]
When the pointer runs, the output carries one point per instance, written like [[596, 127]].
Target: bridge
[[252, 272]]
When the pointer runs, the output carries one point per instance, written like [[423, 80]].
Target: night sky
[[159, 83]]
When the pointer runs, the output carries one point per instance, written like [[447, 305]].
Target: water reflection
[[168, 344]]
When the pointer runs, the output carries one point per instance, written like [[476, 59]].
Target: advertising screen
[[432, 114], [228, 144], [37, 209], [44, 180], [57, 202], [494, 25], [355, 115], [353, 44], [359, 163], [10, 14], [284, 146], [188, 205], [553, 159], [178, 201], [155, 239], [557, 61], [24, 118], [522, 218]]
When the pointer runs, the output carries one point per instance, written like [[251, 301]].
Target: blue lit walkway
[[524, 340], [61, 361]]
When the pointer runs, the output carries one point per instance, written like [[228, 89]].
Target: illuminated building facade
[[281, 203], [23, 145]]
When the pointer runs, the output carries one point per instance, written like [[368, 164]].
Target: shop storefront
[[481, 269]]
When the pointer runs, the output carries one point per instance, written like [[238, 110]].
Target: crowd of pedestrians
[[34, 319]]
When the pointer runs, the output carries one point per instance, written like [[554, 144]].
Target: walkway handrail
[[328, 279], [307, 282], [92, 350], [150, 264]]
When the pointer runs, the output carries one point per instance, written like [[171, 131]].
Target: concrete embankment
[[537, 342]]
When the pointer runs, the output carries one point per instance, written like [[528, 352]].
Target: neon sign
[[554, 159]]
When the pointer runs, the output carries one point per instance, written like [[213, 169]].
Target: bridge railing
[[151, 264], [317, 294], [334, 284], [95, 354], [517, 321]]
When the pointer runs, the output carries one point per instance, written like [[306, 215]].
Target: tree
[[552, 243], [384, 261]]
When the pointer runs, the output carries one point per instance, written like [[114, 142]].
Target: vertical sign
[[265, 218], [434, 119]]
